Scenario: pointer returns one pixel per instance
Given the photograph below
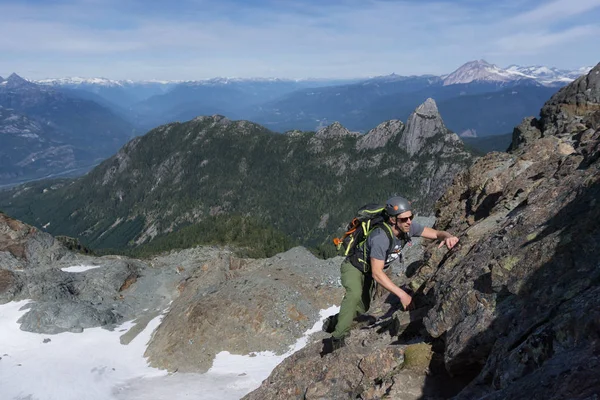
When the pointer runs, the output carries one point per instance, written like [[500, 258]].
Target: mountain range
[[79, 122], [359, 104], [216, 173], [44, 131]]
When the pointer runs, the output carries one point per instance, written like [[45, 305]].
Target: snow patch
[[80, 268], [94, 365]]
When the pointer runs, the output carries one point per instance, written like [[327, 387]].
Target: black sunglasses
[[405, 219]]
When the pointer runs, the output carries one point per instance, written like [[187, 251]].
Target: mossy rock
[[417, 357]]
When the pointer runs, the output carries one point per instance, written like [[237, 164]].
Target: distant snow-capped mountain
[[472, 71], [549, 75], [77, 81], [482, 71]]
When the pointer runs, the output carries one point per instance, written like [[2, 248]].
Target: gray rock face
[[334, 130], [244, 306], [214, 119], [527, 132], [374, 364], [23, 246], [380, 135], [65, 316], [118, 289], [574, 108], [508, 299], [423, 123], [10, 285]]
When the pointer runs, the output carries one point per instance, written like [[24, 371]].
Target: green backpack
[[352, 244]]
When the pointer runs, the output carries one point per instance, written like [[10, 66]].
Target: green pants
[[359, 288]]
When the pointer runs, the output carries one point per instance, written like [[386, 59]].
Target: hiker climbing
[[375, 239]]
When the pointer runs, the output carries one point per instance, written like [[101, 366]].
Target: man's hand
[[450, 242], [444, 237], [406, 301]]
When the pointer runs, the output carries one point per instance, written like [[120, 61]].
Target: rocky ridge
[[205, 173], [380, 135], [333, 131], [513, 311]]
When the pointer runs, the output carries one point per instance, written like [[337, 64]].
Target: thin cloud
[[555, 11], [195, 39], [535, 42]]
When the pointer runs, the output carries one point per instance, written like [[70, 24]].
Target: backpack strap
[[359, 257], [390, 234]]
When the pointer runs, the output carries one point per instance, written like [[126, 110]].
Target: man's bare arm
[[381, 278]]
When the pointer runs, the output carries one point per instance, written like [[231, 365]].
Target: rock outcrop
[[244, 307], [380, 135], [514, 310], [23, 246], [425, 122], [575, 109], [334, 130]]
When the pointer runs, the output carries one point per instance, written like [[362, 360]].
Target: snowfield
[[94, 365]]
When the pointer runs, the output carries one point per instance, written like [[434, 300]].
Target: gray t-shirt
[[378, 243]]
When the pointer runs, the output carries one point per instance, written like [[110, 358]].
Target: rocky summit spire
[[423, 123]]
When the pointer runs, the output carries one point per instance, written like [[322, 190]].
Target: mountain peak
[[15, 81], [480, 63], [428, 108], [423, 123], [334, 130], [481, 70], [214, 119], [14, 78]]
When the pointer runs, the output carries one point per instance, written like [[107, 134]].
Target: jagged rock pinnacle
[[423, 123]]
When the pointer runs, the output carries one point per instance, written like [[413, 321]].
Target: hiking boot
[[332, 344], [330, 323]]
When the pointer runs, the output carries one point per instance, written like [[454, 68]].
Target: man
[[380, 253]]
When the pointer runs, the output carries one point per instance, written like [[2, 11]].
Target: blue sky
[[199, 39]]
